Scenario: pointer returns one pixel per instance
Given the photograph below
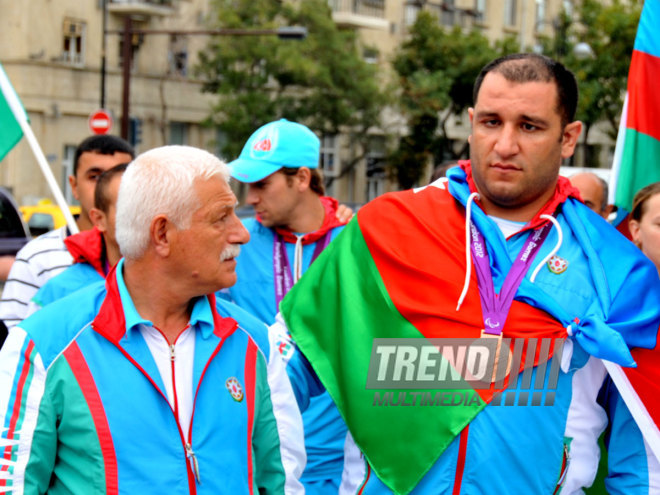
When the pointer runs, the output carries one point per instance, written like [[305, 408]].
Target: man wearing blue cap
[[294, 223]]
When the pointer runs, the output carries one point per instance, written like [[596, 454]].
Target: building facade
[[53, 53]]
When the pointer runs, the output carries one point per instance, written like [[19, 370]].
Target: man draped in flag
[[502, 254]]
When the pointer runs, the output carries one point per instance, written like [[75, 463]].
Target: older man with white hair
[[146, 384]]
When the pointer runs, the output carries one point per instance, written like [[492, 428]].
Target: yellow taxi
[[45, 216]]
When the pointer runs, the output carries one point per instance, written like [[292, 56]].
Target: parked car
[[45, 216], [13, 232]]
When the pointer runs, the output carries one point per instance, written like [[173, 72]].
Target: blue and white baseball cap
[[275, 145]]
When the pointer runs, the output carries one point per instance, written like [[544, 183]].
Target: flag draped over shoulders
[[401, 279], [637, 157], [10, 129]]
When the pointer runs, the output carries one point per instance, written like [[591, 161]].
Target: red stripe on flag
[[88, 388], [250, 381], [643, 94], [17, 405], [645, 379]]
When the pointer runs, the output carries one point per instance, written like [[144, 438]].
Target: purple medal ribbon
[[282, 268], [495, 307]]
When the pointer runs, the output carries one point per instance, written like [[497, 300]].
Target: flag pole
[[21, 118]]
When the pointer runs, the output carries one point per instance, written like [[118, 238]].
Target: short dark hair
[[528, 67], [104, 144], [101, 200], [315, 181]]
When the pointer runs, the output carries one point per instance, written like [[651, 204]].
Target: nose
[[252, 197], [506, 144], [238, 234]]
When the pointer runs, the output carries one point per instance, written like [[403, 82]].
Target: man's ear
[[73, 184], [98, 218], [160, 233], [304, 176], [569, 138]]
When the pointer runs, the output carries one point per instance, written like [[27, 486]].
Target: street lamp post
[[284, 32]]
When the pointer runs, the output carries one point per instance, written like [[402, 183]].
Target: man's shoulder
[[75, 277], [53, 240], [55, 326], [48, 250], [254, 327]]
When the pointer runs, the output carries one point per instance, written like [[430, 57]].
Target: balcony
[[359, 13], [141, 7]]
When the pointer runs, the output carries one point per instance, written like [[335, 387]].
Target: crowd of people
[[169, 347]]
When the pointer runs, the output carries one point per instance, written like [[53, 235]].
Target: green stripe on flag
[[334, 313], [10, 130], [639, 166]]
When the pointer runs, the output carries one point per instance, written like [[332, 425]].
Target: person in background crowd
[[294, 224], [46, 256], [594, 192], [94, 251], [143, 384], [502, 254], [644, 222]]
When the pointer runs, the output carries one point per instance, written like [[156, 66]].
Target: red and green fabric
[[400, 280], [10, 130], [638, 162]]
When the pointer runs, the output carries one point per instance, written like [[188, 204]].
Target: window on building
[[67, 170], [179, 133], [136, 41], [178, 55], [480, 9], [510, 13], [370, 55], [539, 18], [447, 13], [330, 155], [73, 41], [376, 174], [410, 13]]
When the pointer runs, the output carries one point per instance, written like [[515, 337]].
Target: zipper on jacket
[[193, 459]]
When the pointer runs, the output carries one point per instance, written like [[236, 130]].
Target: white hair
[[161, 182]]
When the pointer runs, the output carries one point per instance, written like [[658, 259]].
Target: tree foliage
[[609, 29], [436, 70], [321, 81]]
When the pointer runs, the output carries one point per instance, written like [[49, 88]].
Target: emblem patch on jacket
[[557, 265], [235, 389]]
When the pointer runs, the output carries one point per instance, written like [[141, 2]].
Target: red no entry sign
[[100, 122]]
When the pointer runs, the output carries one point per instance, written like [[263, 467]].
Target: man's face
[[517, 144], [274, 199], [105, 220], [591, 191], [204, 254], [90, 166]]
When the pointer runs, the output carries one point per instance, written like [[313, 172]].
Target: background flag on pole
[[637, 153], [10, 130]]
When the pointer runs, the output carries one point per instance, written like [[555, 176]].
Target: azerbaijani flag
[[637, 153], [10, 129], [398, 281]]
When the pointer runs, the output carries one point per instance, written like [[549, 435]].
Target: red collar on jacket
[[88, 246], [330, 221], [563, 190], [111, 323]]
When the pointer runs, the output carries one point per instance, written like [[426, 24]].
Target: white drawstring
[[297, 259], [560, 237], [468, 255]]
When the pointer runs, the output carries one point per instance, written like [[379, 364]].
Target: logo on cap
[[265, 144]]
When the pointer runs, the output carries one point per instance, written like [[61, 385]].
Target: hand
[[344, 213]]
